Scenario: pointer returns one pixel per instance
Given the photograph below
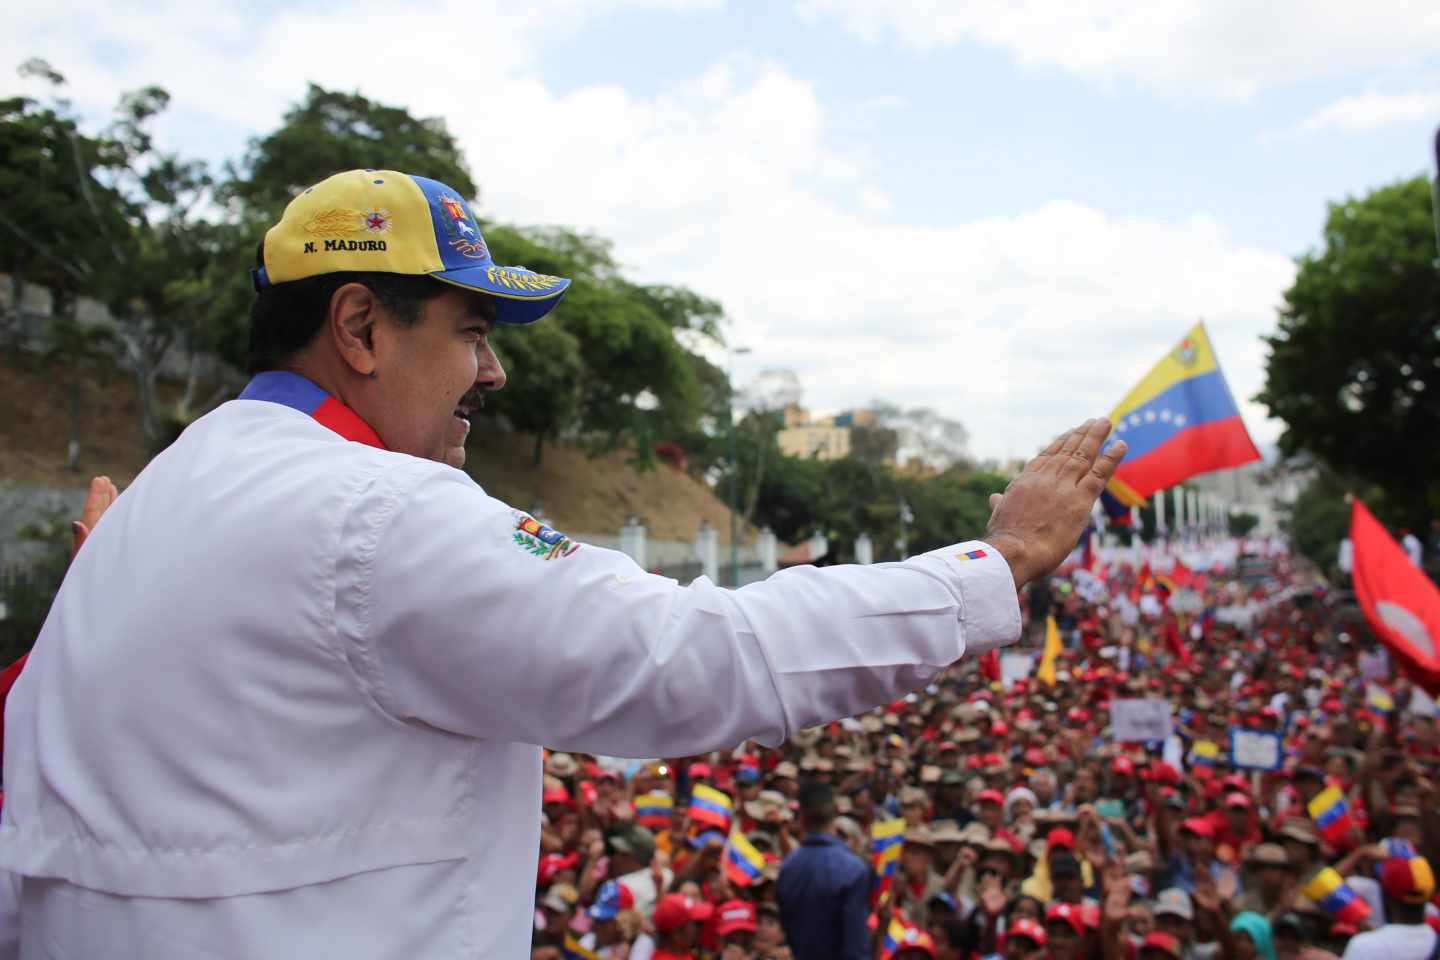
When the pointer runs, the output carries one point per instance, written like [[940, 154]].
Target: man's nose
[[491, 373]]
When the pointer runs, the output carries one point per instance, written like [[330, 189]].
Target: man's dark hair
[[286, 316], [817, 803]]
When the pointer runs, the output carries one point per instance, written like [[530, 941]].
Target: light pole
[[730, 354]]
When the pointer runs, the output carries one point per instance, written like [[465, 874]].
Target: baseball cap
[[1175, 901], [747, 775], [560, 897], [675, 910], [1060, 837], [1028, 929], [1067, 912], [629, 837], [1199, 826], [1407, 879], [612, 897], [1168, 943], [553, 863], [384, 221], [991, 796], [734, 916]]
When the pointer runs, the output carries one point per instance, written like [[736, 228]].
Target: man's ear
[[351, 323]]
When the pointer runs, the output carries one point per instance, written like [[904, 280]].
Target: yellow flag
[[1052, 652]]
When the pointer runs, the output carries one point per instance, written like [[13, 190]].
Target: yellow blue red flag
[[573, 951], [1337, 897], [710, 807], [1180, 420], [652, 810], [1331, 813], [742, 862]]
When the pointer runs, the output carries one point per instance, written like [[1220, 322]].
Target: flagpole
[[1159, 499]]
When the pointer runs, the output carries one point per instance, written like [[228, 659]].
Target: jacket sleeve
[[458, 612]]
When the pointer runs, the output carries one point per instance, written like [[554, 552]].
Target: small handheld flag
[[1331, 814], [1046, 671], [1336, 897], [894, 936], [573, 951], [742, 862], [886, 839], [710, 807], [653, 810], [1205, 752]]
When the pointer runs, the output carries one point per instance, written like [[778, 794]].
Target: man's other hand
[[101, 495], [1036, 522]]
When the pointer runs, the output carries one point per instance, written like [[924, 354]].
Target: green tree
[[328, 132], [613, 370], [1354, 368], [1241, 524], [1320, 516], [55, 202], [144, 247]]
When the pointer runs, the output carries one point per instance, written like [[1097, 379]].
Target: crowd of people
[[998, 812]]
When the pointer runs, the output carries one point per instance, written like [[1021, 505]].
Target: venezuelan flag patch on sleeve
[[971, 555]]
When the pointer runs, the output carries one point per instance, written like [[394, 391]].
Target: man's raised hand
[[1038, 519]]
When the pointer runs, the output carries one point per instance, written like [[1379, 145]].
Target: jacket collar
[[296, 392]]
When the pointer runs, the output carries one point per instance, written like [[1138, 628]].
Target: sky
[[1005, 210]]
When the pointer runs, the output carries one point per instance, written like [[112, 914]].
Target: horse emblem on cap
[[464, 236]]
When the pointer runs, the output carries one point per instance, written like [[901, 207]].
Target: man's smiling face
[[433, 375]]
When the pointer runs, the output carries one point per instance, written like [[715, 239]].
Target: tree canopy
[[1354, 368]]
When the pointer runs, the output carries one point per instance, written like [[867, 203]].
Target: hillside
[[578, 494]]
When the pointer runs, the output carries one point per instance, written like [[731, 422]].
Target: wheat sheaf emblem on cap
[[334, 223]]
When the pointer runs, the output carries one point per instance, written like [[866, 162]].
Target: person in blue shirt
[[824, 888]]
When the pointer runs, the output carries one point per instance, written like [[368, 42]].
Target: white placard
[[1255, 750], [1374, 665], [1015, 666], [1139, 720]]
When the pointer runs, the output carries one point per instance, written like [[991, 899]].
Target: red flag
[[990, 665], [1400, 602], [1174, 644]]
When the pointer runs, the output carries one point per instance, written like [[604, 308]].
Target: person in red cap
[[1195, 856], [1236, 829], [1160, 946], [735, 927], [1025, 940], [1064, 931], [1408, 883], [677, 920]]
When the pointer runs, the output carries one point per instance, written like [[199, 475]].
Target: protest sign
[[1015, 666], [1139, 720], [1255, 750]]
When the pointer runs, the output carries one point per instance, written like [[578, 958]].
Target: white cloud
[[1219, 48], [874, 200], [728, 182], [1369, 111]]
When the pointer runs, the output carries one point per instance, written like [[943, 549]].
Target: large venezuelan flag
[[1179, 421]]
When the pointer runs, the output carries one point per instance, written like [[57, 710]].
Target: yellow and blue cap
[[384, 221]]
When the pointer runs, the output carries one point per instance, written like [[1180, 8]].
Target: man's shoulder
[[1394, 941]]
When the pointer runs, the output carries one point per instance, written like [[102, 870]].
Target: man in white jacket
[[289, 700]]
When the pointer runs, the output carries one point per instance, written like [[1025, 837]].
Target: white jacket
[[288, 700]]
